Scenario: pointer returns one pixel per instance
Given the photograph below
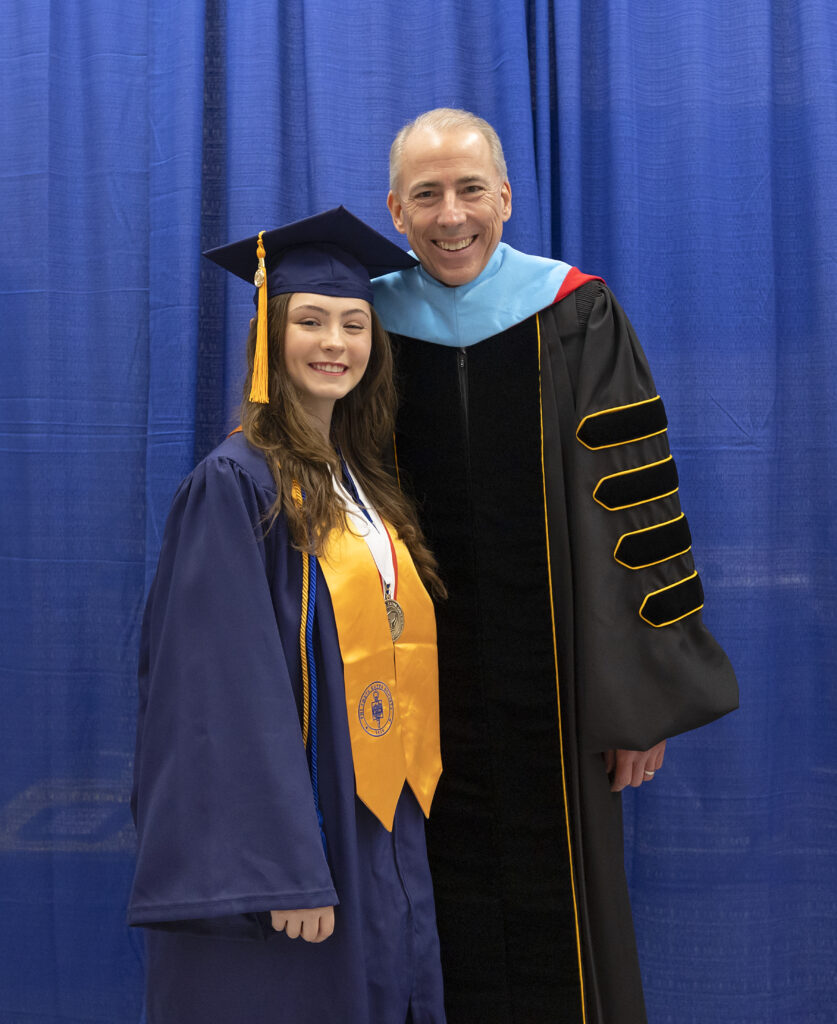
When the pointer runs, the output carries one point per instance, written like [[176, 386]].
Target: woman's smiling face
[[328, 341]]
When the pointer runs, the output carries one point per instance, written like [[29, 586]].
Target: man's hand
[[313, 925], [633, 767]]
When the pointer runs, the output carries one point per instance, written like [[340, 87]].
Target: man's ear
[[396, 212], [505, 193]]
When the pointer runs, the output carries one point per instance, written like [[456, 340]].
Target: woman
[[288, 685]]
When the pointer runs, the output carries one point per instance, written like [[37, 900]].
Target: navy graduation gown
[[222, 794]]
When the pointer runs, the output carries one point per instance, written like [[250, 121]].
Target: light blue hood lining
[[512, 287]]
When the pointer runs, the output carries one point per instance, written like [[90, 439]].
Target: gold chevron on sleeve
[[623, 424], [670, 604], [639, 549], [636, 486]]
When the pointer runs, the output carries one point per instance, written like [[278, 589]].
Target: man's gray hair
[[444, 119]]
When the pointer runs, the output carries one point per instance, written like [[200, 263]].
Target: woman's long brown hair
[[362, 426]]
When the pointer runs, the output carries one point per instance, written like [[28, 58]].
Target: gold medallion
[[395, 616]]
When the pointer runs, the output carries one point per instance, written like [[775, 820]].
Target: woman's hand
[[313, 925]]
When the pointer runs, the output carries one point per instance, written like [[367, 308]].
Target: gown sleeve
[[222, 797], [648, 667]]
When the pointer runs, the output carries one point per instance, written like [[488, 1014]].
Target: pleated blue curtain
[[696, 172], [73, 406], [685, 152]]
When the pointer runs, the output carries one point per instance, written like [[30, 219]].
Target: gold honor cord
[[296, 490], [557, 682]]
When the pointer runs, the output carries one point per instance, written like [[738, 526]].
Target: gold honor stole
[[392, 687]]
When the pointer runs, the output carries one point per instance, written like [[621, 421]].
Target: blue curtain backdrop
[[685, 151]]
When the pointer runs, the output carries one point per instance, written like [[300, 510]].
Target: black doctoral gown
[[540, 463]]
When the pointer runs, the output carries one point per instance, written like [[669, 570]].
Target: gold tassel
[[258, 387]]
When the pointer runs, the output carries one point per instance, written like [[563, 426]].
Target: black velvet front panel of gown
[[469, 450]]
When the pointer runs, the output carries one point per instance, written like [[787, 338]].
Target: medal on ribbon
[[395, 617]]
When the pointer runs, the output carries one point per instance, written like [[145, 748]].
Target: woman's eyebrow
[[310, 308]]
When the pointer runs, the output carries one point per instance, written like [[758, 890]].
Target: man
[[572, 643]]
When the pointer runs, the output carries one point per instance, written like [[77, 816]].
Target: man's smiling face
[[450, 202]]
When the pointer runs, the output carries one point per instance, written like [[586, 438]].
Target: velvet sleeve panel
[[222, 795], [647, 666]]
